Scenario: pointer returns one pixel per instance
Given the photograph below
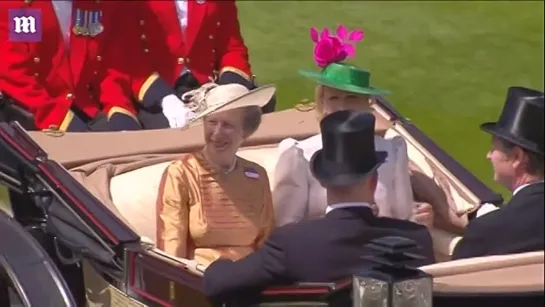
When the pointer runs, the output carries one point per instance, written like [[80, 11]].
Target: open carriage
[[89, 199]]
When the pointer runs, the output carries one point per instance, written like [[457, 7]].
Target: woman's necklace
[[230, 169], [223, 170]]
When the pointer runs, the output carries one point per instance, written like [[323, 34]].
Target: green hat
[[345, 77]]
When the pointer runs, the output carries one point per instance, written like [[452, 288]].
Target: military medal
[[76, 29], [96, 26], [85, 27]]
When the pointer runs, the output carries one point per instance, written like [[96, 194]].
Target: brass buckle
[[53, 131], [305, 106]]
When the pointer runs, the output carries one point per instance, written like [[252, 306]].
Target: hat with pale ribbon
[[211, 98], [330, 50]]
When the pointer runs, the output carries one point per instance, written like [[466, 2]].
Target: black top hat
[[521, 120], [348, 152]]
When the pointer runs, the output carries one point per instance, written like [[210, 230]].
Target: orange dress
[[204, 214]]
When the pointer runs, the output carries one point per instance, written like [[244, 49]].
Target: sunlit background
[[448, 64]]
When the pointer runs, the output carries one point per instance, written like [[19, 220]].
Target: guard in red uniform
[[66, 77], [187, 43]]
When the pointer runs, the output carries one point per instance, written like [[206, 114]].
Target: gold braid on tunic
[[204, 214]]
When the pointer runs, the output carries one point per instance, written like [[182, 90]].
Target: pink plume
[[342, 32], [325, 33], [334, 48], [349, 50], [356, 35], [314, 34]]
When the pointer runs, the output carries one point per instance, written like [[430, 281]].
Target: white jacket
[[297, 195]]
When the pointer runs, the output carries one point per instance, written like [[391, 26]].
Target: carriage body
[[91, 196]]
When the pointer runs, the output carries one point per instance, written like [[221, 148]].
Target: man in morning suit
[[329, 248], [517, 158]]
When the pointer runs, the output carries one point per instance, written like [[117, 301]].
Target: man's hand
[[175, 111], [423, 214]]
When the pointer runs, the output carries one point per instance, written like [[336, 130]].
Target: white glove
[[177, 114]]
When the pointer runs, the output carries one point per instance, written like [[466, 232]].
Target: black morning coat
[[326, 249], [515, 228]]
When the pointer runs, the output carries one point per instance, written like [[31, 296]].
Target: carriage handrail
[[191, 265]]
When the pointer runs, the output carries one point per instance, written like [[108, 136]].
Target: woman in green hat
[[297, 194]]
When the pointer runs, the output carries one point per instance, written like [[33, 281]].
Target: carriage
[[82, 226]]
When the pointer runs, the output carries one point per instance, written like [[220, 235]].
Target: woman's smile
[[220, 146]]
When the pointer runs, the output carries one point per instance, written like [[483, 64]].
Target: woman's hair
[[319, 99], [251, 119]]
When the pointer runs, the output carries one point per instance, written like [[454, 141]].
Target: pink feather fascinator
[[333, 48]]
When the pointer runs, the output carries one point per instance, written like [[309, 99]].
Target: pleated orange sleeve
[[173, 211]]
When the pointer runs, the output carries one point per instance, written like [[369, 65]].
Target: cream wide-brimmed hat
[[211, 98]]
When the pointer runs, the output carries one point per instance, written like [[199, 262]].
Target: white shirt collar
[[525, 185], [345, 205]]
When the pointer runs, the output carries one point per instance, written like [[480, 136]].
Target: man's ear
[[518, 157]]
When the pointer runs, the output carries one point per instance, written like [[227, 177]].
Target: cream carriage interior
[[123, 170]]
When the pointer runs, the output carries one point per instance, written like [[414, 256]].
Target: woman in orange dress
[[212, 203]]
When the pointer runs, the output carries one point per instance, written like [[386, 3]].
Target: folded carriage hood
[[77, 219], [75, 149]]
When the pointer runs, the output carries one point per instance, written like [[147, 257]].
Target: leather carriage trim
[[310, 289], [132, 282], [390, 117], [19, 148], [171, 270], [391, 113]]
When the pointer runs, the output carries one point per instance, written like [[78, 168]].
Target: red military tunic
[[49, 77], [210, 44]]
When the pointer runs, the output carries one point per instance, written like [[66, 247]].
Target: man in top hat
[[517, 158], [57, 67], [329, 248], [187, 43]]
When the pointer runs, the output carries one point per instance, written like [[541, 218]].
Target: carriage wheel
[[27, 273]]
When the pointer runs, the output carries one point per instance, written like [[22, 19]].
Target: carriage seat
[[137, 205]]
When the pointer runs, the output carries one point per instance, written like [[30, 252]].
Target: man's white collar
[[525, 185], [345, 205]]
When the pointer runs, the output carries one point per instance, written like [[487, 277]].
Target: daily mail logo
[[25, 25]]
